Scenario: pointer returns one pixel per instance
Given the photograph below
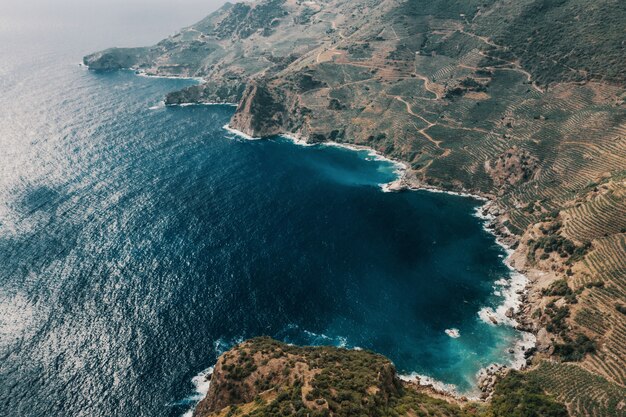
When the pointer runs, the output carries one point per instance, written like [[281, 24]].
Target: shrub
[[575, 350], [558, 288], [557, 316], [517, 396]]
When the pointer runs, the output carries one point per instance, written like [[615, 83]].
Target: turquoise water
[[137, 244]]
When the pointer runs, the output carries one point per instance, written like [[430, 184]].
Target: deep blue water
[[137, 244]]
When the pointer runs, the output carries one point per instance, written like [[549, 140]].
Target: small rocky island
[[263, 377]]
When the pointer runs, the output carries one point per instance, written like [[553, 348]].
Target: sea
[[138, 242]]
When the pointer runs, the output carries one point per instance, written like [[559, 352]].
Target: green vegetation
[[519, 396], [579, 253], [242, 368], [576, 349], [585, 393], [545, 33], [345, 383], [560, 288], [244, 20], [557, 315], [553, 243]]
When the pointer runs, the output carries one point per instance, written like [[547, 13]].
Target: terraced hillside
[[520, 101]]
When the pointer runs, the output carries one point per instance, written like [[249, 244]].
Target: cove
[[138, 243]]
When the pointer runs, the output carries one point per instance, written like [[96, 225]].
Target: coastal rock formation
[[262, 111], [117, 58], [262, 374], [488, 378], [208, 92]]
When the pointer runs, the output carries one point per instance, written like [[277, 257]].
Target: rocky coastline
[[464, 106], [495, 216]]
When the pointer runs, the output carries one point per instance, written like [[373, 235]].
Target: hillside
[[520, 101], [263, 377]]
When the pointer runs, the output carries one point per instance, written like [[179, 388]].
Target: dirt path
[[516, 67], [428, 85], [332, 52], [422, 131]]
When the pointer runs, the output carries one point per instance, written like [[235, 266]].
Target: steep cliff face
[[261, 112]]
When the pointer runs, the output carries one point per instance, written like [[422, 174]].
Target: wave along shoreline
[[202, 383]]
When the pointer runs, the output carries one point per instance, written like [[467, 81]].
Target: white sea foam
[[376, 156], [141, 73], [511, 291], [453, 332], [343, 342], [511, 302], [528, 341], [319, 338], [457, 193], [201, 382], [221, 345], [203, 104], [314, 335], [296, 140], [239, 133], [424, 380], [160, 105]]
